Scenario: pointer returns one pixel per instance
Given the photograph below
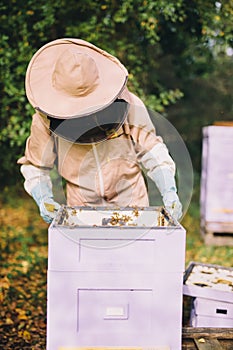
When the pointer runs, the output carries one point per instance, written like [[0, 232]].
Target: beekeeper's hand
[[43, 196], [172, 204], [165, 181], [38, 184]]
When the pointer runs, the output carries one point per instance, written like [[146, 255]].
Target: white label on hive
[[115, 311]]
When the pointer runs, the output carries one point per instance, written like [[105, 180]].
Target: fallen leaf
[[9, 321]]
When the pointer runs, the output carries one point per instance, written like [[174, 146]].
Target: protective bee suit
[[97, 132]]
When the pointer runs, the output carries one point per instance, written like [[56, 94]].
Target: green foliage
[[206, 100], [143, 34], [24, 26]]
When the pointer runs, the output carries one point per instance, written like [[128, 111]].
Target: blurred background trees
[[178, 53]]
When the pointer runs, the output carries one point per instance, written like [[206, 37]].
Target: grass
[[23, 262], [196, 250]]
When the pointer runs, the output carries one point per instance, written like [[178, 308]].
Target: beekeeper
[[97, 133]]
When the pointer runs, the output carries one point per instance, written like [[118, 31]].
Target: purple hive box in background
[[115, 279], [211, 313], [211, 287], [217, 185]]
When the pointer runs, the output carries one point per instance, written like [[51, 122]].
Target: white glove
[[43, 196], [39, 185], [172, 204], [165, 182]]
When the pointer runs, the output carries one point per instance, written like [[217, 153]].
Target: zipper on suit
[[100, 175]]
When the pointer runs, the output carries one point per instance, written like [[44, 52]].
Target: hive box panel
[[217, 182], [211, 286], [209, 281], [116, 248], [114, 310], [206, 321], [79, 243], [211, 313], [115, 285], [213, 308]]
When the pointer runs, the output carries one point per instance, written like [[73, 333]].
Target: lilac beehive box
[[115, 279], [211, 287], [217, 185], [209, 281], [211, 313]]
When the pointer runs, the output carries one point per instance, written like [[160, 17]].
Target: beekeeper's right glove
[[39, 185]]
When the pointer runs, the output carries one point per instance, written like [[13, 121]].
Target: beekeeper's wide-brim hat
[[70, 78]]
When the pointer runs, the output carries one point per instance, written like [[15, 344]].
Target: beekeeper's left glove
[[165, 181], [43, 196], [161, 169], [172, 204]]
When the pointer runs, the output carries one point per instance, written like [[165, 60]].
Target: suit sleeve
[[39, 155], [151, 151], [39, 149]]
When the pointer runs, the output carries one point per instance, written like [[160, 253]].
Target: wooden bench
[[207, 338]]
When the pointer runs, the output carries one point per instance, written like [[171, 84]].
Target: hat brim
[[57, 103]]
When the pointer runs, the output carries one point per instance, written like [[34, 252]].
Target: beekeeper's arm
[[154, 156], [36, 165], [161, 169]]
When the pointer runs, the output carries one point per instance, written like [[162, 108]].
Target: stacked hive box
[[211, 287], [217, 185], [115, 279]]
